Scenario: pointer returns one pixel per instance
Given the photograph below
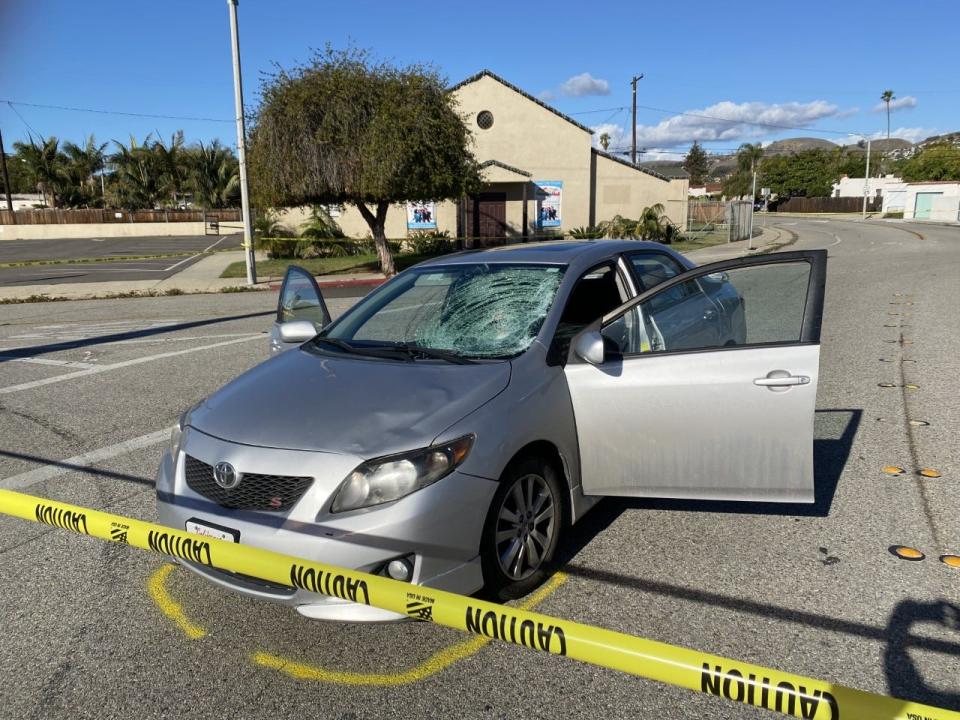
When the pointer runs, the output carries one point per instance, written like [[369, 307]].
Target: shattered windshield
[[479, 310]]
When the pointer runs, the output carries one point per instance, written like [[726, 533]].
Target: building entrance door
[[487, 218]]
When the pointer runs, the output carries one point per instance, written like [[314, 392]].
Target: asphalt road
[[97, 630], [20, 251]]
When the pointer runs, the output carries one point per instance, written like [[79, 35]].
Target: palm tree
[[604, 141], [43, 165], [137, 175], [173, 164], [887, 97], [80, 166], [214, 175], [749, 157]]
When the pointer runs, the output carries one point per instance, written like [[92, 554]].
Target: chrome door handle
[[709, 314], [783, 380]]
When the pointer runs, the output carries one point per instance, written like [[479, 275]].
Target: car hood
[[303, 400]]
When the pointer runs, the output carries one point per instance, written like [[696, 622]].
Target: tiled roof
[[648, 171], [482, 73], [503, 165]]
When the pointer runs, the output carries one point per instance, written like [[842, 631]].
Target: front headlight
[[176, 434], [390, 478]]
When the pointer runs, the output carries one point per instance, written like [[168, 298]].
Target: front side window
[[481, 310], [758, 305]]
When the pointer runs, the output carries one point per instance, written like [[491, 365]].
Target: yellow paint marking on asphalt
[[437, 662], [156, 585], [928, 473]]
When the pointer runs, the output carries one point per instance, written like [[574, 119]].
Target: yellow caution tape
[[741, 682]]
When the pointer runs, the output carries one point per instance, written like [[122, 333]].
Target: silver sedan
[[446, 429]]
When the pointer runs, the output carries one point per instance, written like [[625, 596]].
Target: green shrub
[[591, 232], [432, 242]]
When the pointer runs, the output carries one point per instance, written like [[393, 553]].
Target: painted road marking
[[47, 361], [439, 661], [205, 250], [87, 459], [96, 370], [170, 607]]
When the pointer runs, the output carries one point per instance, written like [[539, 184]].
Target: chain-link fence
[[726, 220]]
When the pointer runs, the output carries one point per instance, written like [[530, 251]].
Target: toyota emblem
[[226, 476]]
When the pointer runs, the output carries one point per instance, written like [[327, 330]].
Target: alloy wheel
[[526, 524]]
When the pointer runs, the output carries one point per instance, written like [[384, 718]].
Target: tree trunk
[[377, 222]]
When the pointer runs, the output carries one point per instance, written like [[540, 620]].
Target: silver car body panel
[[706, 431]]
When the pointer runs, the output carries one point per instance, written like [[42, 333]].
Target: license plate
[[208, 529]]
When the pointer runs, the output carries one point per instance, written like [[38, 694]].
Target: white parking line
[[206, 249], [116, 366], [47, 361], [48, 472]]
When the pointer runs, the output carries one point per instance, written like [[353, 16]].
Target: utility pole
[[753, 199], [6, 175], [866, 182], [633, 152], [242, 147]]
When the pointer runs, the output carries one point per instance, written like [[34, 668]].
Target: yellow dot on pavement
[[894, 470], [919, 423], [950, 560], [912, 386], [907, 553], [886, 385], [929, 473]]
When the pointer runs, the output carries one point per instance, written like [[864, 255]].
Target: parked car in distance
[[448, 427]]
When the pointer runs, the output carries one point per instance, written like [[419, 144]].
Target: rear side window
[[653, 268]]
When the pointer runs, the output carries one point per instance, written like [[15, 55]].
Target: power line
[[23, 119], [11, 103]]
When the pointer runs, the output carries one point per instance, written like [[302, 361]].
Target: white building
[[853, 187], [934, 200]]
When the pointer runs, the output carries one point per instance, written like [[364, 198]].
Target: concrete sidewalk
[[203, 276]]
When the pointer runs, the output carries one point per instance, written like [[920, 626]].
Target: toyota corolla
[[447, 428]]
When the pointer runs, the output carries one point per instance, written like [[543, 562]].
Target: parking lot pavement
[[89, 390], [188, 249]]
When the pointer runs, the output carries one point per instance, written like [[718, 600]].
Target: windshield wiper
[[386, 352], [450, 356]]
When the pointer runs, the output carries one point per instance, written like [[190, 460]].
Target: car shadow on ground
[[899, 636], [34, 350]]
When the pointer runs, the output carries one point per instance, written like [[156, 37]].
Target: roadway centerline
[[96, 370]]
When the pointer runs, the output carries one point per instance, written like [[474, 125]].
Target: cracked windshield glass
[[481, 310]]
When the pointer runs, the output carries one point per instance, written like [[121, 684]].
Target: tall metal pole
[[866, 182], [242, 147], [6, 176], [633, 151], [753, 198]]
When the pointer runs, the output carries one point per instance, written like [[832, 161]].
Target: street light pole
[[633, 151], [241, 147], [866, 182], [753, 199]]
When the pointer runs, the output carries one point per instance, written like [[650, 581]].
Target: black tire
[[524, 474]]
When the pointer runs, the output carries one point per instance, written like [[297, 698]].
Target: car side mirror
[[297, 331], [589, 347]]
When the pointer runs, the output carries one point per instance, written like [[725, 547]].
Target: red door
[[487, 218]]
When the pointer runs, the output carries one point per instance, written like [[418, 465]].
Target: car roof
[[553, 252]]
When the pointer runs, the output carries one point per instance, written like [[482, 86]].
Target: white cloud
[[547, 95], [914, 135], [585, 84], [904, 103], [735, 121]]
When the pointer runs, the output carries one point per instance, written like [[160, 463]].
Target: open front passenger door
[[704, 387], [300, 299]]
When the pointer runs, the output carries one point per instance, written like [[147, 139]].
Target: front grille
[[270, 493]]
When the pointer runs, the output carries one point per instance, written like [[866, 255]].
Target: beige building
[[543, 176]]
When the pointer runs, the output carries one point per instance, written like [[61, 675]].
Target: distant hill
[[794, 145]]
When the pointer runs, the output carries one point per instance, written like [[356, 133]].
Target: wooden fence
[[94, 215], [828, 205]]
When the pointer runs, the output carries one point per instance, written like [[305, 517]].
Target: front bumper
[[438, 528]]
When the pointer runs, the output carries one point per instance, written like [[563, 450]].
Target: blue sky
[[821, 65]]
